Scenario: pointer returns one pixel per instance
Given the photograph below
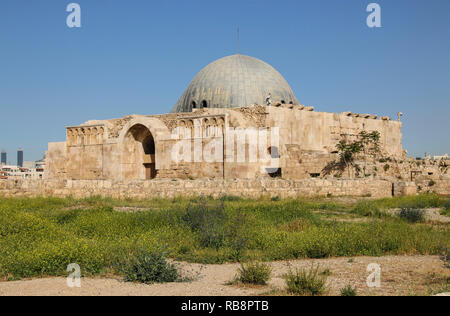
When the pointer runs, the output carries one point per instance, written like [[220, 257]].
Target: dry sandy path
[[400, 275]]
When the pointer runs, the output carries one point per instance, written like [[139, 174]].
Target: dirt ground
[[431, 214], [400, 275]]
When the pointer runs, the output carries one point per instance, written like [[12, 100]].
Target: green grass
[[446, 210], [377, 208], [41, 236]]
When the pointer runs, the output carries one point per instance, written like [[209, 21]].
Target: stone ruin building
[[235, 93]]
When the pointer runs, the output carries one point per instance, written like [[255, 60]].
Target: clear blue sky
[[138, 56]]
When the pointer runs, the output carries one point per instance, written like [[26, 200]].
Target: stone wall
[[441, 186], [117, 149], [171, 188], [321, 131]]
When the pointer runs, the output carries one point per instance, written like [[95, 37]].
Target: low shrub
[[296, 225], [208, 220], [318, 250], [151, 267], [446, 209], [326, 272], [367, 209], [303, 282], [412, 215], [445, 257], [237, 233], [349, 291], [254, 273], [231, 198]]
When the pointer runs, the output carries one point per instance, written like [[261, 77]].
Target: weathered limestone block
[[405, 188]]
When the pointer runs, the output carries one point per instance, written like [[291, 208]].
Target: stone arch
[[220, 126], [190, 128], [205, 126], [138, 159], [138, 140], [87, 136], [69, 137], [182, 129], [100, 135], [73, 137], [93, 136], [212, 127], [80, 137]]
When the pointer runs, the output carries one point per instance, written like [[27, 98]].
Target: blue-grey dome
[[235, 81]]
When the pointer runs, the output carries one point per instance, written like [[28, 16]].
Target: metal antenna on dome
[[238, 42]]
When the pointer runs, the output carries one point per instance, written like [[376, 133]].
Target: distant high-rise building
[[20, 157], [4, 157]]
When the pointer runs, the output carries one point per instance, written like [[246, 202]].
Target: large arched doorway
[[138, 158]]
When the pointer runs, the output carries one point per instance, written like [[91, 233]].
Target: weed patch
[[349, 291], [306, 282], [148, 268], [412, 215], [254, 273]]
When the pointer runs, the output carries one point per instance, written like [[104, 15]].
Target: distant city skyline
[[6, 157], [140, 57]]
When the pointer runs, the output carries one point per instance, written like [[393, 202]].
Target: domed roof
[[235, 81]]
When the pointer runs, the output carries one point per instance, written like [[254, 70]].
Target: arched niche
[[138, 154]]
